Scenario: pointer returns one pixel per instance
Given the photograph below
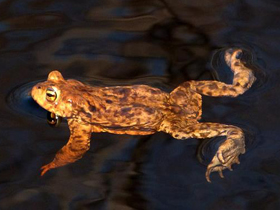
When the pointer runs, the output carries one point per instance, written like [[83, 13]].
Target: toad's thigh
[[188, 100]]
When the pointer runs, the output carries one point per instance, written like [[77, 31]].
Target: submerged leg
[[242, 80], [78, 144], [227, 153]]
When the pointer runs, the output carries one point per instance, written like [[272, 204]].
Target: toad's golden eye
[[51, 94]]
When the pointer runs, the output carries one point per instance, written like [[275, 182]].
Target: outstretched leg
[[228, 151], [78, 144], [242, 80]]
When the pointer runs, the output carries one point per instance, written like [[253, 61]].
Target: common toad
[[143, 110]]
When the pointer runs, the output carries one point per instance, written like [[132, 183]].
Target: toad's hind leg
[[227, 153], [190, 101], [242, 80]]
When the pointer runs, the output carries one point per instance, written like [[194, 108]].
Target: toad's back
[[137, 107]]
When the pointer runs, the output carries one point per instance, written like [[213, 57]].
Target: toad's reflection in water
[[143, 110], [53, 119]]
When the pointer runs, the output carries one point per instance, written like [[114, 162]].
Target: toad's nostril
[[39, 87], [238, 55]]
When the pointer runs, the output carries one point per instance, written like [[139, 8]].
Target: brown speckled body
[[143, 110]]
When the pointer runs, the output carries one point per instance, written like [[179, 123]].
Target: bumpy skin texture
[[143, 110]]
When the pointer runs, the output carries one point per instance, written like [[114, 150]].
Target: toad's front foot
[[47, 167], [226, 156]]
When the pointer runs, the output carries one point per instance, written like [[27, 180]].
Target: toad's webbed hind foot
[[226, 156], [243, 79], [228, 151], [243, 76]]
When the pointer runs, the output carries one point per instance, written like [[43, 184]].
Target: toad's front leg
[[78, 144]]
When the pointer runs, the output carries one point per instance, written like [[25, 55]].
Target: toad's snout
[[36, 91]]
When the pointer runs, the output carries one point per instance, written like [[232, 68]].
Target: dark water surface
[[120, 42]]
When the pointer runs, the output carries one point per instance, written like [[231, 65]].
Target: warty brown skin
[[143, 110]]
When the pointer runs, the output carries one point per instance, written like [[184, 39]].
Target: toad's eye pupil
[[51, 94]]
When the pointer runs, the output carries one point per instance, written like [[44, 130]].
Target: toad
[[144, 110]]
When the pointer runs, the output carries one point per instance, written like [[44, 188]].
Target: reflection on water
[[158, 43], [53, 119]]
